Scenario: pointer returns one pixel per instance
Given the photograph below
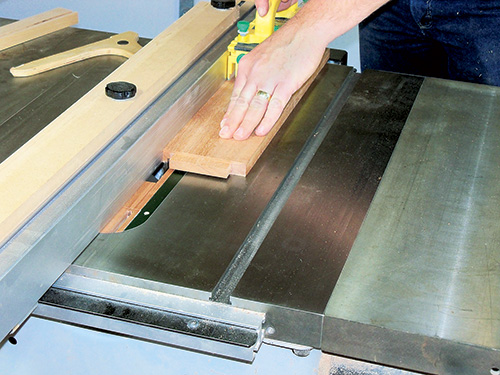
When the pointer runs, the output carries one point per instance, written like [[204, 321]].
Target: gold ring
[[263, 94]]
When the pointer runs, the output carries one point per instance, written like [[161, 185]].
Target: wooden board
[[36, 26], [72, 140], [199, 149], [124, 44]]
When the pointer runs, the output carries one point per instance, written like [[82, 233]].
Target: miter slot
[[190, 239], [248, 249]]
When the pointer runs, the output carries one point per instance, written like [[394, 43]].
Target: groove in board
[[36, 26], [197, 148], [73, 139]]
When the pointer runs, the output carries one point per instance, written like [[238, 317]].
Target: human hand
[[279, 66]]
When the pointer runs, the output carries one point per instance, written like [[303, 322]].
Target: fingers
[[239, 84], [262, 7], [285, 4], [249, 112], [275, 108], [238, 107], [252, 117], [273, 66]]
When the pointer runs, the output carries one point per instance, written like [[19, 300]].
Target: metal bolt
[[193, 324], [301, 353], [270, 330]]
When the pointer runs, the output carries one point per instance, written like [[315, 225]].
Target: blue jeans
[[454, 39]]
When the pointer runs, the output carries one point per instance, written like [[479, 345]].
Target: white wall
[[350, 43], [146, 17]]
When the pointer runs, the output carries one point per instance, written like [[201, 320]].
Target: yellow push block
[[250, 34]]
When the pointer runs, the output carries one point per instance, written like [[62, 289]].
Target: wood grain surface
[[124, 44], [198, 148], [36, 26]]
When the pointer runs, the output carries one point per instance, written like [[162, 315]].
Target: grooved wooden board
[[36, 26], [73, 139], [198, 148]]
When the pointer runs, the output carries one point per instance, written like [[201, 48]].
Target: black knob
[[223, 4], [121, 90]]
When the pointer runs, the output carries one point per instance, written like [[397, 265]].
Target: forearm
[[322, 21]]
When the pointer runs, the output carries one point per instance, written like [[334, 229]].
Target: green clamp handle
[[243, 27]]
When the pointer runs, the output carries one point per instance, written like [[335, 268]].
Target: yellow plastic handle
[[264, 26]]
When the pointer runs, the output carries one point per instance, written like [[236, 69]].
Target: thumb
[[262, 7]]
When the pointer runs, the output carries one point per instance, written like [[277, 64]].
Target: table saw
[[368, 229]]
